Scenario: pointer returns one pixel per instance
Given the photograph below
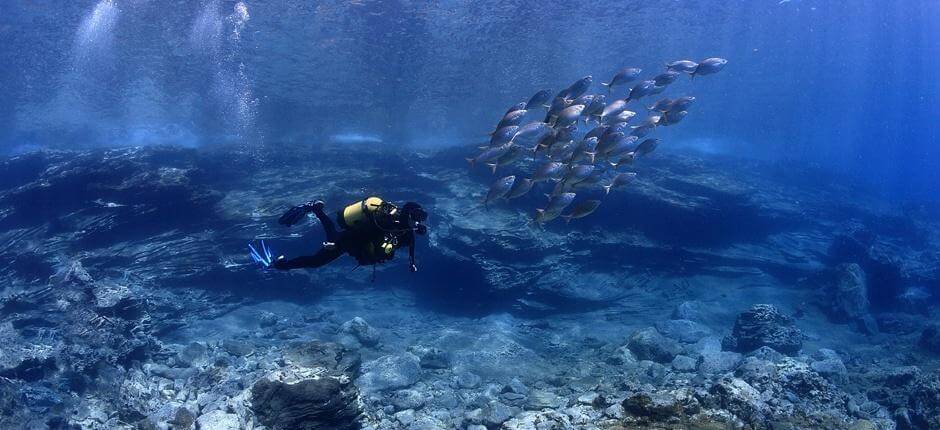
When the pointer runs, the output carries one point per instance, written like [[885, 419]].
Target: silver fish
[[682, 103], [622, 117], [578, 88], [490, 154], [670, 118], [558, 104], [608, 141], [585, 150], [625, 159], [531, 132], [641, 89], [547, 171], [512, 118], [539, 99], [598, 103], [499, 189], [597, 132], [614, 108], [562, 152], [666, 78], [578, 173], [503, 135], [624, 76], [646, 146], [591, 180], [583, 100], [662, 105], [709, 66], [618, 181], [686, 66], [569, 115], [543, 216], [517, 106], [511, 156], [582, 210], [520, 188], [559, 202]]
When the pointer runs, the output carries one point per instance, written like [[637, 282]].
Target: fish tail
[[493, 167], [472, 161], [607, 189]]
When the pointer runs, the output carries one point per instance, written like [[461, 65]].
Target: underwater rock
[[764, 325], [684, 363], [827, 363], [218, 420], [718, 362], [237, 348], [304, 398], [846, 297], [649, 344], [685, 331], [431, 358], [388, 372], [541, 420], [910, 392], [362, 331], [327, 355], [660, 406], [930, 339]]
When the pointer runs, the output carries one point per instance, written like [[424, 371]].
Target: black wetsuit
[[354, 242]]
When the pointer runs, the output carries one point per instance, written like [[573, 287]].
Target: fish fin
[[567, 218], [472, 161], [493, 167], [591, 155], [607, 189]]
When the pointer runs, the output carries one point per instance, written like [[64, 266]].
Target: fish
[[547, 171], [646, 126], [582, 210], [614, 108], [578, 88], [499, 189], [686, 66], [512, 118], [560, 188], [569, 115], [562, 152], [559, 202], [591, 180], [624, 76], [666, 78], [539, 99], [670, 118], [578, 173], [681, 103], [657, 90], [546, 142], [662, 105], [622, 146], [584, 100], [490, 154], [617, 127], [622, 117], [520, 188], [558, 104], [709, 66], [598, 103], [641, 89], [503, 135], [597, 132], [565, 133], [646, 146], [543, 216], [511, 156], [627, 159], [608, 141], [618, 181], [531, 132], [517, 106], [585, 149]]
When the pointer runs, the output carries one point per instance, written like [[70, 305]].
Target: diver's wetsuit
[[350, 241]]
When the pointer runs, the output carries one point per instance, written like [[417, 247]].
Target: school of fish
[[575, 159]]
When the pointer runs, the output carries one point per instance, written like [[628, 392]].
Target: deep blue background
[[848, 85]]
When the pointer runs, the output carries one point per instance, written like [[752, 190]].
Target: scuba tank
[[362, 214]]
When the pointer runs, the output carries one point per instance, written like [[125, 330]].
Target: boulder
[[649, 344], [764, 325], [684, 331], [362, 331], [431, 358], [389, 372], [827, 363], [846, 298], [304, 398]]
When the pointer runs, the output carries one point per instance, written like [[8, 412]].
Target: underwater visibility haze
[[480, 215]]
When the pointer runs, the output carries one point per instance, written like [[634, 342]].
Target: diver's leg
[[327, 224], [322, 257]]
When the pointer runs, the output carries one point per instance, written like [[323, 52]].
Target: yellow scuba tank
[[362, 213]]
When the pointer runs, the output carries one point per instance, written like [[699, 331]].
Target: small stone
[[496, 413], [407, 399], [267, 319], [218, 420], [390, 371], [591, 399], [684, 331], [719, 362], [467, 380], [193, 354], [615, 411], [516, 386]]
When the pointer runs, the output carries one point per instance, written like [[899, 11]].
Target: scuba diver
[[372, 229]]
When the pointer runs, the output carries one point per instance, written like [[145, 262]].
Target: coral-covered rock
[[764, 325], [303, 398]]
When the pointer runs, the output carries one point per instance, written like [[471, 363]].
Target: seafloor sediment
[[710, 294]]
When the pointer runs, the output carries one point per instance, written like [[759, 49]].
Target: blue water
[[846, 85]]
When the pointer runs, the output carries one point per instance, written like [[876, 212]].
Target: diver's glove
[[297, 213], [264, 257]]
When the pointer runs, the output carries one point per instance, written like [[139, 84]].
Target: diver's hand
[[414, 268]]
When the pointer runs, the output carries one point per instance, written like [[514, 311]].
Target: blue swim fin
[[264, 258]]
